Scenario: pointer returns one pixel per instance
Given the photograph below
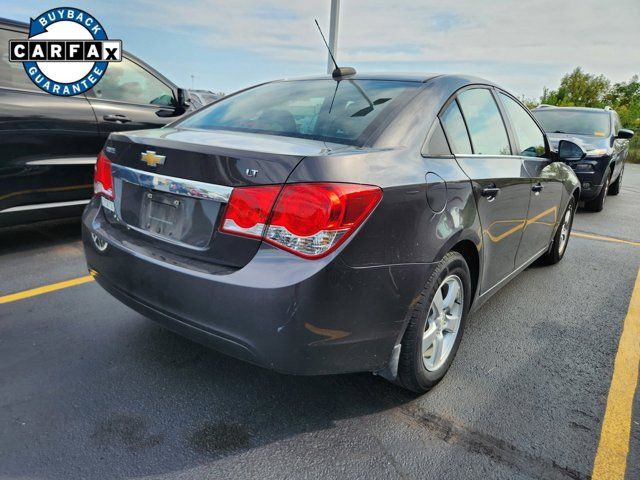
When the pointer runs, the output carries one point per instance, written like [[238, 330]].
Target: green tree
[[581, 89], [529, 102], [625, 98], [578, 89]]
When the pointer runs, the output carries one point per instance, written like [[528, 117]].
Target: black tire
[[558, 247], [614, 188], [412, 372], [597, 204]]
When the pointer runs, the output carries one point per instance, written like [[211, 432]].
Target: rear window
[[325, 110], [558, 120]]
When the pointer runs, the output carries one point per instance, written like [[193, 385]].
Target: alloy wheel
[[565, 230], [443, 323]]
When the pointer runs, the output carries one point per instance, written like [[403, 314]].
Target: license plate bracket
[[162, 215], [178, 219]]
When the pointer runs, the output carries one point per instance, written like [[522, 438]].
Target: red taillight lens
[[248, 210], [103, 180], [310, 219]]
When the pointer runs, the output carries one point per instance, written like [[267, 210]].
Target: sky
[[228, 45]]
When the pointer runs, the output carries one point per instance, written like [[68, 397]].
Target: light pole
[[333, 34]]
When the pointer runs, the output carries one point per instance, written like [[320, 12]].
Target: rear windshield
[[572, 121], [324, 110]]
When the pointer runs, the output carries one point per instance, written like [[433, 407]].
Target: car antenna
[[338, 72]]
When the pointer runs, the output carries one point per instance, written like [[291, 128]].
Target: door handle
[[116, 118], [537, 187], [490, 192]]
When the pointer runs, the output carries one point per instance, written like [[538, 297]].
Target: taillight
[[248, 210], [308, 219], [103, 180]]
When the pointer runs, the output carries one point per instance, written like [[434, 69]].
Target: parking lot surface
[[91, 389]]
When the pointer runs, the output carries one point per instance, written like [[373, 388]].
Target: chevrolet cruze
[[331, 224]]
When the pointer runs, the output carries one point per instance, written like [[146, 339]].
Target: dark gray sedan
[[331, 224]]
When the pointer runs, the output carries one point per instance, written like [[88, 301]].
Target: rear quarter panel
[[403, 229]]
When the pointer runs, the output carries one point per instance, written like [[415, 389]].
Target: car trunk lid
[[171, 185]]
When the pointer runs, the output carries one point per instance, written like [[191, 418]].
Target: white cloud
[[521, 44]]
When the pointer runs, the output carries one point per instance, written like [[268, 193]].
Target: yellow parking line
[[46, 289], [613, 448], [603, 238]]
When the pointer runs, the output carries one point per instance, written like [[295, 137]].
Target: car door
[[130, 97], [49, 143], [546, 189], [477, 135]]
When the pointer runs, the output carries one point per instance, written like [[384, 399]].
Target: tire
[[558, 247], [597, 204], [614, 188], [421, 369]]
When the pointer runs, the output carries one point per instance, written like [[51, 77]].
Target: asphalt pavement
[[91, 389]]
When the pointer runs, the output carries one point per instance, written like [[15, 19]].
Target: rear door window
[[456, 130], [530, 137], [486, 128]]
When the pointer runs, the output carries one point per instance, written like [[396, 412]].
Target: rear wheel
[[614, 189], [435, 328], [597, 204], [561, 238]]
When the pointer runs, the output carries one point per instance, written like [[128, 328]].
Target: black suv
[[606, 143], [50, 144]]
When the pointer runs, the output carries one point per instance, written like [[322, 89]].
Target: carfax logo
[[67, 52]]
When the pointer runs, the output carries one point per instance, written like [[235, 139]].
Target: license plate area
[[161, 215], [171, 217]]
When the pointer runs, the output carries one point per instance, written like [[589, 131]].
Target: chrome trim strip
[[178, 186], [65, 161], [39, 206]]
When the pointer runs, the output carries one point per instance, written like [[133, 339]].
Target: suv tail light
[[103, 180], [308, 219]]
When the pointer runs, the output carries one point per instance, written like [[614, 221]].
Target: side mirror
[[183, 99], [625, 133], [567, 150]]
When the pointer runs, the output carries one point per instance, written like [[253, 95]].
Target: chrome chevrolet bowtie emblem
[[150, 158]]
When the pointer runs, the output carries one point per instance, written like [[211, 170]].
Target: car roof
[[390, 76], [573, 109], [14, 23], [402, 77]]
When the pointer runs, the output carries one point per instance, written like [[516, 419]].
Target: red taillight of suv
[[103, 180], [308, 219]]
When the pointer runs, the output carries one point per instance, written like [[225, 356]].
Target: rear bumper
[[279, 311]]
